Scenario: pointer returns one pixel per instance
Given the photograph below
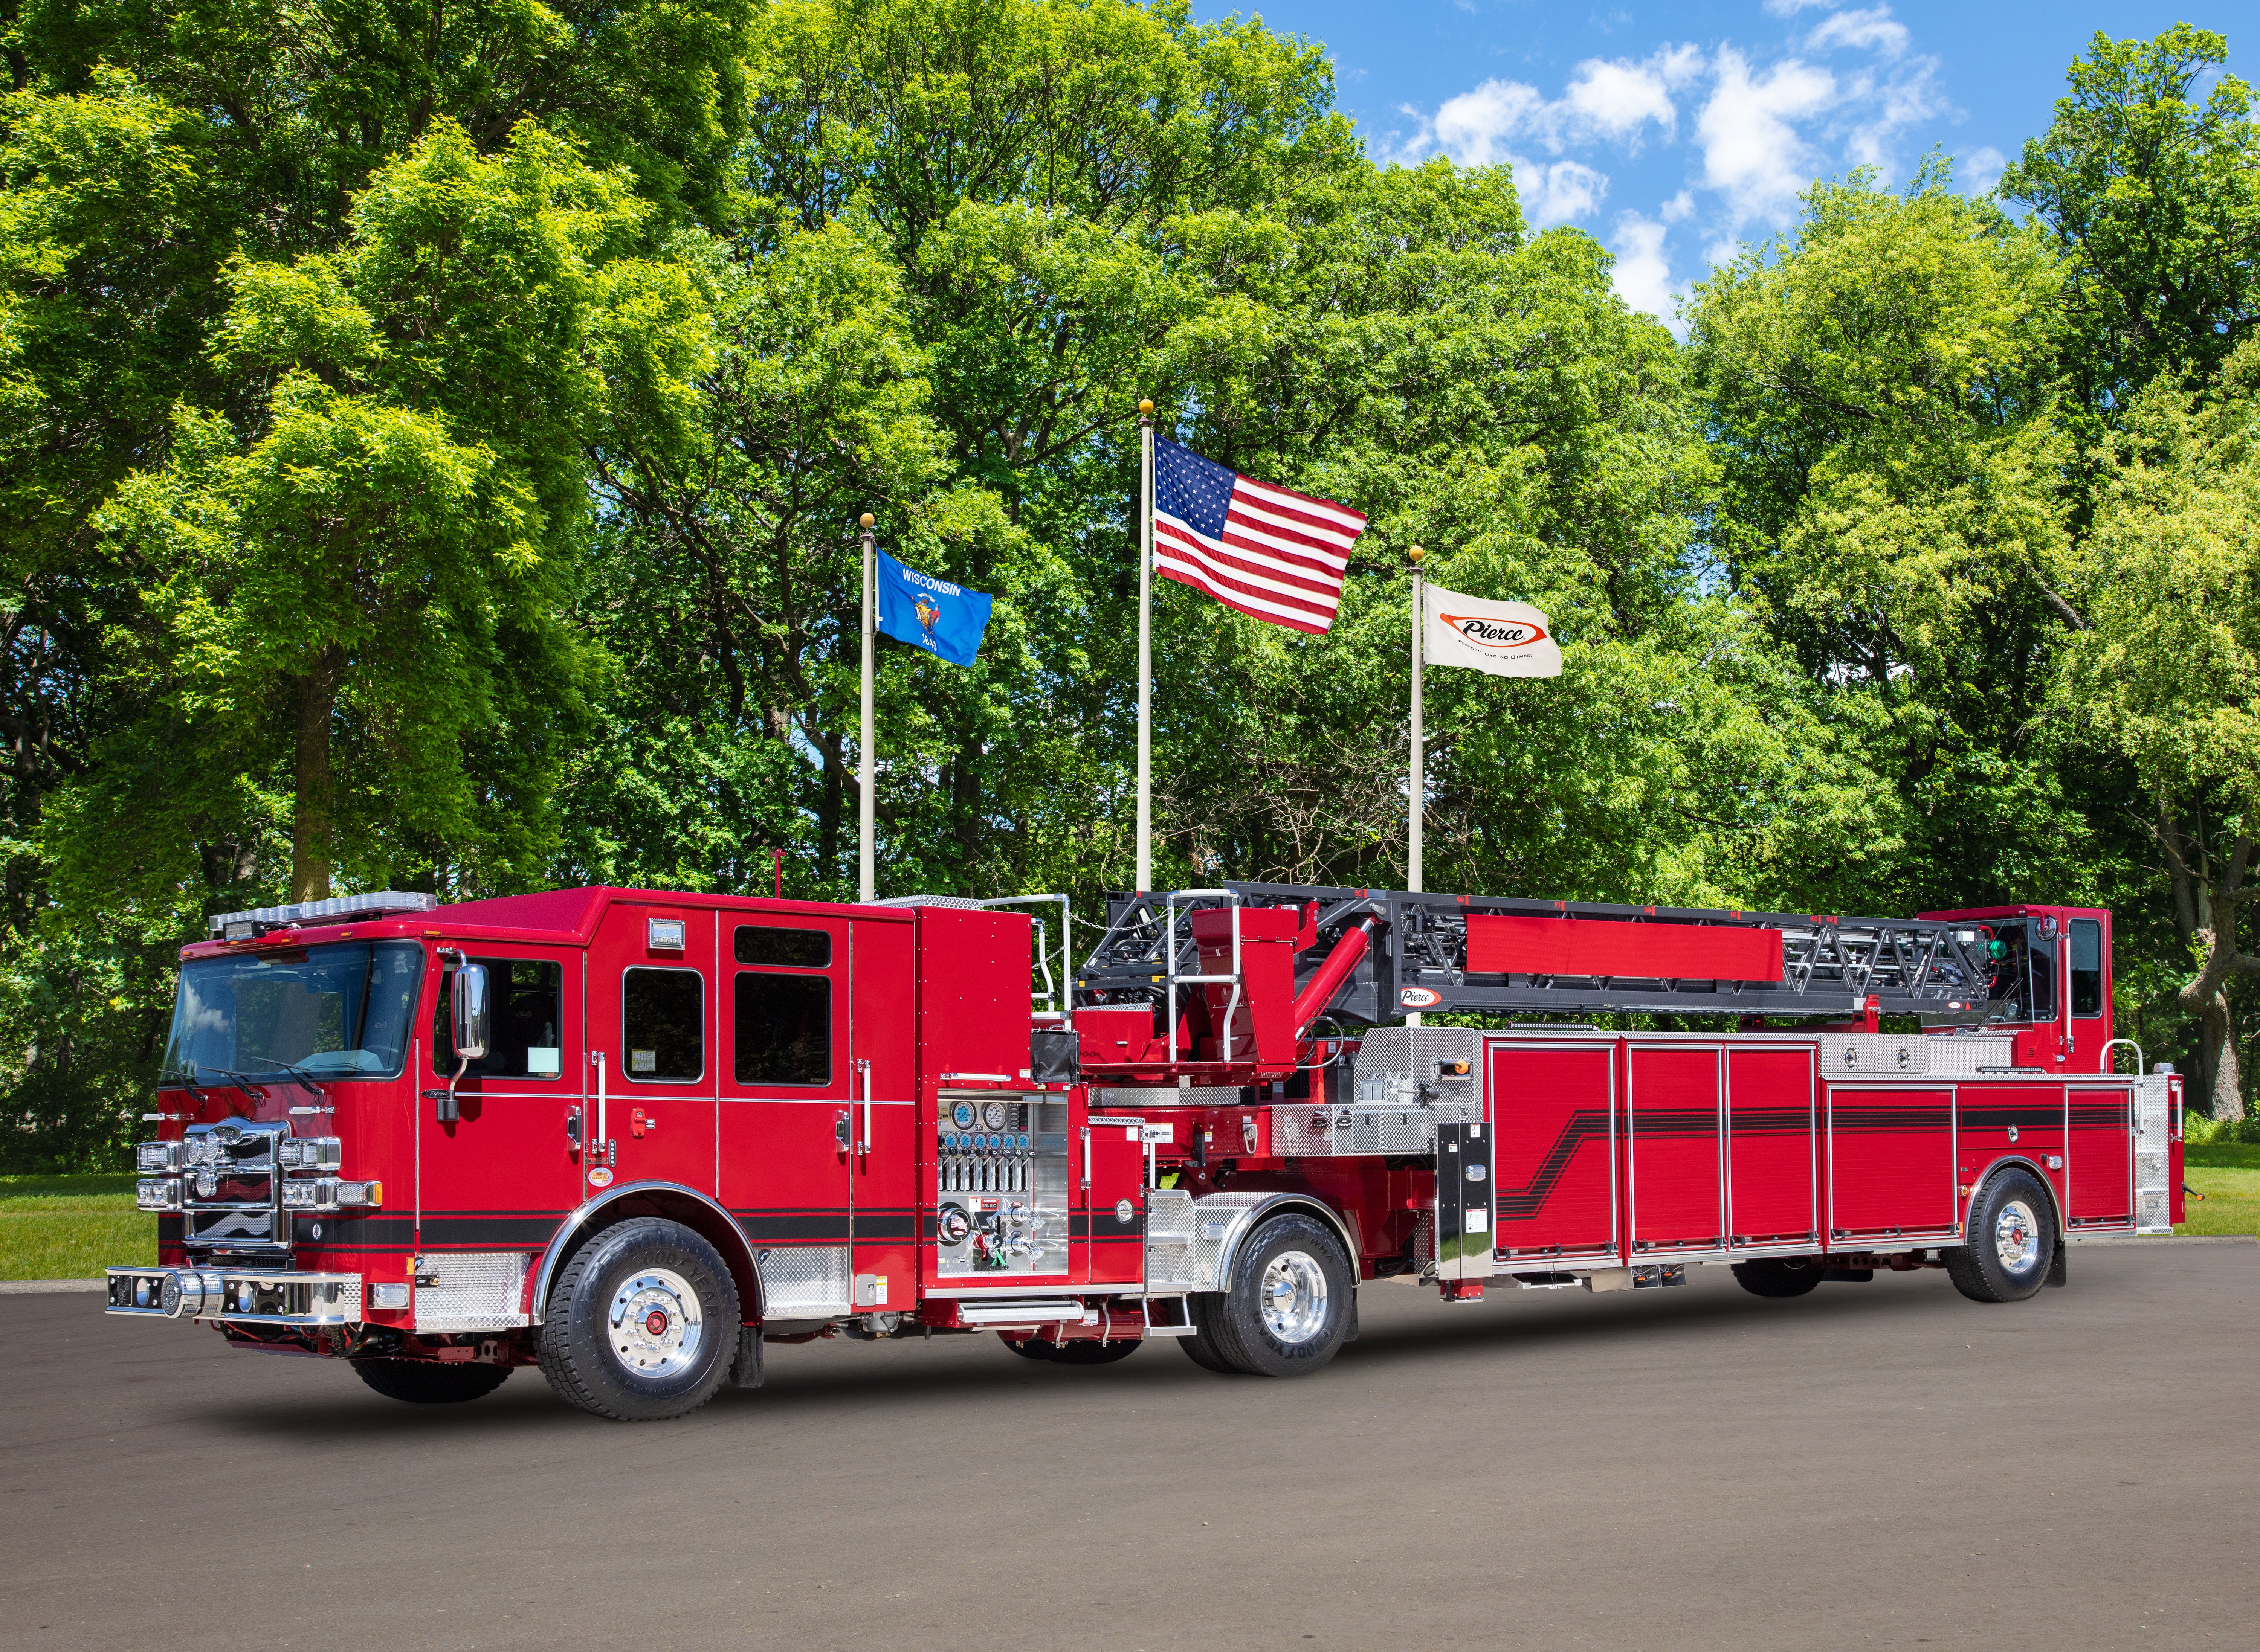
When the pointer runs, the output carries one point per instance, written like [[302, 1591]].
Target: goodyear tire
[[427, 1383], [1200, 1348], [1780, 1276], [2012, 1240], [642, 1323], [1285, 1309]]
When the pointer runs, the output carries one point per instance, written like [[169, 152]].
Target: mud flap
[[748, 1371], [2056, 1268]]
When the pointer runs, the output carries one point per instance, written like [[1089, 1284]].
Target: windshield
[[336, 1012]]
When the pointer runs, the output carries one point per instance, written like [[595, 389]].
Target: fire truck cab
[[637, 1138]]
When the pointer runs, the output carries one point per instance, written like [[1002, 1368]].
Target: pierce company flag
[[1507, 640], [1271, 553], [930, 613]]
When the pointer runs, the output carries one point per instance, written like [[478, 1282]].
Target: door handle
[[863, 1147]]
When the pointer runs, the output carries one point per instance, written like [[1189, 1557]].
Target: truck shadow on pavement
[[846, 1382]]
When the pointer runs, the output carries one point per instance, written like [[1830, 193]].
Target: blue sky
[[1674, 133]]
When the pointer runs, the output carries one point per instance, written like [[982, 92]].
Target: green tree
[[1882, 401], [2168, 672], [2153, 201], [372, 576]]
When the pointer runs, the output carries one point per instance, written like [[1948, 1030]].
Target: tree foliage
[[430, 445]]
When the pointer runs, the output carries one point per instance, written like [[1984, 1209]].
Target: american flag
[[1273, 553]]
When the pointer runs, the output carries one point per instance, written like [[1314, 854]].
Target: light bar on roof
[[383, 903]]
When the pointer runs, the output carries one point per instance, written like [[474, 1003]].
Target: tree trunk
[[311, 817], [831, 804], [2227, 1090]]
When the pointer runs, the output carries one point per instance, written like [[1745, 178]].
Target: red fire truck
[[636, 1137]]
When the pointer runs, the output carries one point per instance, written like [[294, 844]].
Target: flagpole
[[867, 887], [1145, 646], [1416, 794]]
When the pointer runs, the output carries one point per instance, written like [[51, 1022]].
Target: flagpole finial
[[1145, 408], [1414, 554], [865, 521]]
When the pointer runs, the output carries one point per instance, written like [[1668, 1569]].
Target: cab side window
[[663, 1025], [782, 1016], [2086, 968], [529, 1012]]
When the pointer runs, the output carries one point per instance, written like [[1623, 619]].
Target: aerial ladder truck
[[643, 1138]]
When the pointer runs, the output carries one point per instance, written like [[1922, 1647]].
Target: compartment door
[[2100, 1146], [1110, 1225], [1675, 1110], [1890, 1163], [1554, 1156], [1772, 1186]]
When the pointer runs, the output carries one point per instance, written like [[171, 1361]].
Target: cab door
[[789, 1117], [652, 1051], [499, 1174]]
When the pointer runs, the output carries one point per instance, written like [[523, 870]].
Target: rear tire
[[2013, 1241], [1200, 1348], [427, 1382], [642, 1323], [1780, 1276], [1285, 1310]]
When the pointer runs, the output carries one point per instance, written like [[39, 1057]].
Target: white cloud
[[1790, 8], [1555, 194], [1679, 206], [1644, 274], [1875, 31], [1476, 127], [1889, 107], [1618, 98], [1980, 169], [1752, 154]]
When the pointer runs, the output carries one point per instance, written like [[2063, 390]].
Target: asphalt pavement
[[1873, 1465]]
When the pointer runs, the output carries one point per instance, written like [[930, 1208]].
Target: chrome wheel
[[2017, 1236], [1294, 1296], [654, 1323]]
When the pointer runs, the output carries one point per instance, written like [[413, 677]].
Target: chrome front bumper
[[241, 1296]]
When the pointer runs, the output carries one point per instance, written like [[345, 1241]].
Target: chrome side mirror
[[471, 1013]]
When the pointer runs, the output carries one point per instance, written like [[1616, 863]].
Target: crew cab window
[[663, 1025], [2023, 984], [783, 1021], [528, 995], [783, 949], [2086, 968]]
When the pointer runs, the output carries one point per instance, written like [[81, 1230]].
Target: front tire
[[642, 1325], [1285, 1310], [2013, 1241], [1200, 1348], [427, 1382], [1780, 1276]]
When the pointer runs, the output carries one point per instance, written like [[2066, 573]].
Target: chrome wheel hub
[[2017, 1236], [653, 1325], [1294, 1296]]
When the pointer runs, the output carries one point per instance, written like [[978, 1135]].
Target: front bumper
[[241, 1296]]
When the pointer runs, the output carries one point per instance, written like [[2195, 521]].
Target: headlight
[[370, 1194], [308, 1196], [157, 1195], [157, 1155], [315, 1153]]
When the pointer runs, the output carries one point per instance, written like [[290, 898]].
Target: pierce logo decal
[[1497, 635], [1418, 998], [600, 1178]]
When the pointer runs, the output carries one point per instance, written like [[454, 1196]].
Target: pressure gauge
[[993, 1115], [963, 1115]]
